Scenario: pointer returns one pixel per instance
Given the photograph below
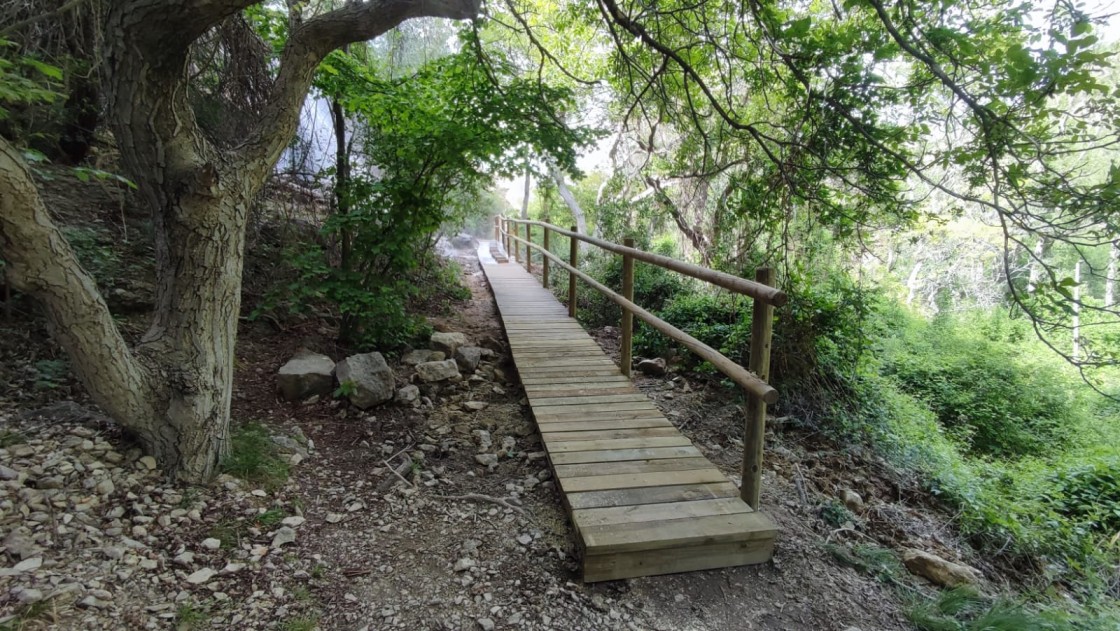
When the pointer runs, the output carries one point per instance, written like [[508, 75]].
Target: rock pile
[[367, 380]]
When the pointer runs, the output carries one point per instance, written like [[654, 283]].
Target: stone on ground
[[409, 394], [305, 375], [938, 570], [468, 357], [437, 371], [370, 377], [412, 358], [652, 367], [448, 343]]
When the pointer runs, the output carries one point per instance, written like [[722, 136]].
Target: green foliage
[[344, 389], [1087, 494], [253, 457], [654, 288], [835, 514], [25, 80], [51, 373], [981, 390], [965, 609], [188, 618], [96, 252], [871, 560]]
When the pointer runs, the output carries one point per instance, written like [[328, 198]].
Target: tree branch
[[41, 263], [311, 42]]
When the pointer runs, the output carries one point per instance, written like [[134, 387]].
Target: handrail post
[[505, 242], [497, 228], [627, 315], [573, 260], [544, 261], [528, 250], [762, 324]]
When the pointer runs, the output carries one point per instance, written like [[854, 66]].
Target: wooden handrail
[[745, 378], [758, 291]]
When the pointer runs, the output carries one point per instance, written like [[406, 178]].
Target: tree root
[[478, 497]]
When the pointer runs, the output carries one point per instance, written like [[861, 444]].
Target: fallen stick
[[478, 497]]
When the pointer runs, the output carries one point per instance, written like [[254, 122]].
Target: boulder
[[305, 375], [412, 358], [938, 570], [370, 377], [437, 371], [448, 342], [652, 367], [467, 357]]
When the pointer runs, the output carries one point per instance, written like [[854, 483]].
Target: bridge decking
[[643, 500]]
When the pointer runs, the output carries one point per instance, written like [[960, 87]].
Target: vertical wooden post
[[505, 240], [762, 324], [573, 260], [528, 250], [544, 261], [627, 315], [497, 228]]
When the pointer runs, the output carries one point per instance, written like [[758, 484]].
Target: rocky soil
[[435, 511]]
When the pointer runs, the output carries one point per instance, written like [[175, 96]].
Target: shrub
[[1087, 494], [990, 400]]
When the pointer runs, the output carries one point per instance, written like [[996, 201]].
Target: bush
[[1087, 494], [982, 391]]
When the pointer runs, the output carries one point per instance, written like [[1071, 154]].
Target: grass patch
[[270, 517], [188, 618], [253, 457], [304, 623], [965, 609], [880, 563], [9, 437], [230, 532]]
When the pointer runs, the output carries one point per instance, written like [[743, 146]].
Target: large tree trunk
[[525, 198], [173, 390], [1110, 274], [570, 201]]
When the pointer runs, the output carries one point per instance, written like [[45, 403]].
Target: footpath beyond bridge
[[642, 498]]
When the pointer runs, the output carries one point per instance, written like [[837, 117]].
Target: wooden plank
[[651, 495], [578, 390], [630, 466], [641, 480], [551, 435], [617, 443], [615, 515], [575, 380], [619, 455], [594, 415], [672, 533], [589, 426], [615, 566], [605, 399], [634, 407]]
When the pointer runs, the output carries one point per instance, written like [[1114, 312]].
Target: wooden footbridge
[[643, 500]]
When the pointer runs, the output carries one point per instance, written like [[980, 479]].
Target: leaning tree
[[172, 389]]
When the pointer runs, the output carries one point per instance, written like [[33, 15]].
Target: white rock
[[149, 463], [283, 536], [184, 559], [334, 518], [211, 543], [27, 596], [486, 624], [464, 564], [294, 521], [26, 565], [201, 576], [233, 568]]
